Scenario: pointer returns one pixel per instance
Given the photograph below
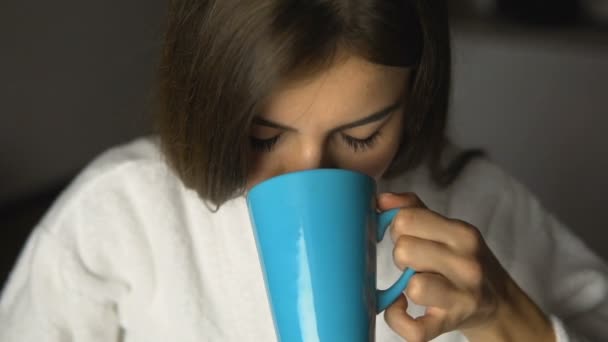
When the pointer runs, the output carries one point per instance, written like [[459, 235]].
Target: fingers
[[426, 224], [419, 329], [431, 289], [420, 223], [428, 256], [451, 258], [413, 218], [417, 220]]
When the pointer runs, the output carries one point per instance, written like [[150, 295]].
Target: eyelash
[[357, 145], [264, 145], [361, 145]]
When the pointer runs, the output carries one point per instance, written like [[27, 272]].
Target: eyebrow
[[374, 117]]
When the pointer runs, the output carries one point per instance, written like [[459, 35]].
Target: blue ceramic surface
[[316, 233]]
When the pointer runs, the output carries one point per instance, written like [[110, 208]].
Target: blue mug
[[316, 233]]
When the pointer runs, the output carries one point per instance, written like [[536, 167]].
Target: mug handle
[[384, 298]]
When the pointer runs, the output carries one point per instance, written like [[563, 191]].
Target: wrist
[[517, 318]]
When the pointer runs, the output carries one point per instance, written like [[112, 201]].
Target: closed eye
[[361, 145], [264, 145], [357, 145]]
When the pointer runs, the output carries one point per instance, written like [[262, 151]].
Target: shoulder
[[135, 158], [97, 238], [124, 212], [480, 190], [123, 208], [481, 181], [123, 185]]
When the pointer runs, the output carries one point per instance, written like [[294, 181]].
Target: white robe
[[127, 253]]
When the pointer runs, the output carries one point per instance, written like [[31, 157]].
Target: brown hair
[[221, 58]]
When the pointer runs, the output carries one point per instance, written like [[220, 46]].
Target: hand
[[458, 279]]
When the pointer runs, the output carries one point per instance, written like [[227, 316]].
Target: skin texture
[[350, 90], [459, 279]]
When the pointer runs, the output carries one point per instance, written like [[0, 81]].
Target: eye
[[361, 145], [264, 145]]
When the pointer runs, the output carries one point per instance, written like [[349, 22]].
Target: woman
[[152, 242]]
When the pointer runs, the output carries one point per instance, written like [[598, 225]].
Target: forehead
[[350, 88]]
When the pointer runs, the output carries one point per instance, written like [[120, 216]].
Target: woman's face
[[348, 117]]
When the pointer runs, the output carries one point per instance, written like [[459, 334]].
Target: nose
[[309, 156]]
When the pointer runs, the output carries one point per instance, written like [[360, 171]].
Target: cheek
[[373, 163], [376, 167]]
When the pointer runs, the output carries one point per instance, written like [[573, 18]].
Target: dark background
[[530, 88]]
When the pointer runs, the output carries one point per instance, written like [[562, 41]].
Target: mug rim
[[293, 173]]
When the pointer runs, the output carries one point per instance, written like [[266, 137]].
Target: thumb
[[390, 200]]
